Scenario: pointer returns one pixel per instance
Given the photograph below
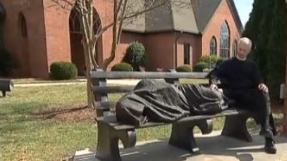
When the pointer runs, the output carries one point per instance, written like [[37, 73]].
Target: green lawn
[[33, 80], [45, 123]]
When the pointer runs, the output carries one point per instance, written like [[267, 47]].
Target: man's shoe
[[270, 146]]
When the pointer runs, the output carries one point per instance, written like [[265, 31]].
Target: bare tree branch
[[121, 23], [91, 28]]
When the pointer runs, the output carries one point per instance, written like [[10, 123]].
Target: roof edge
[[236, 15], [206, 26], [162, 31]]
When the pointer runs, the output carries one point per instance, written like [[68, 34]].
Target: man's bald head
[[244, 47], [245, 41]]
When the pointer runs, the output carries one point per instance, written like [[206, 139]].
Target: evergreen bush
[[63, 70], [122, 67], [198, 67], [184, 68], [136, 56]]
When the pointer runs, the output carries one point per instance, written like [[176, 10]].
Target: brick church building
[[37, 34]]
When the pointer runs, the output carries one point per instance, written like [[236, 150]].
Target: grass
[[33, 80], [27, 135]]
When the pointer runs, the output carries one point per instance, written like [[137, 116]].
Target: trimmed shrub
[[183, 68], [122, 67], [219, 61], [144, 61], [6, 63], [212, 59], [63, 70], [198, 67], [136, 56]]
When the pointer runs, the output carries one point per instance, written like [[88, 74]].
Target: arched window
[[224, 40], [23, 25], [213, 46], [234, 48]]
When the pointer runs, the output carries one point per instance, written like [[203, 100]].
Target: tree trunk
[[89, 67], [91, 98]]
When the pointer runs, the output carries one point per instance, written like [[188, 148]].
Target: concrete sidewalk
[[213, 148]]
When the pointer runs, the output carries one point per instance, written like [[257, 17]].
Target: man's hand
[[263, 87], [213, 87]]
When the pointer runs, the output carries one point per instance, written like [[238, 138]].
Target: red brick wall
[[49, 37], [30, 52], [105, 10], [155, 49], [160, 49], [222, 14], [161, 46], [126, 39], [58, 32], [195, 48]]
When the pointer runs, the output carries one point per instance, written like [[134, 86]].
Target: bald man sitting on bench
[[242, 82]]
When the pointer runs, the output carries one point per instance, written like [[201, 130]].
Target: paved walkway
[[213, 146]]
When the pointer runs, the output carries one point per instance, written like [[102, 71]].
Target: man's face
[[243, 50]]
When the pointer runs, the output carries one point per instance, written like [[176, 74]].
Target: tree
[[124, 11], [264, 28], [135, 55]]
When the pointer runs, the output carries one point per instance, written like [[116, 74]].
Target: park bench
[[110, 131], [6, 85]]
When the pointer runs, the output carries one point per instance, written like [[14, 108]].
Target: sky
[[244, 7]]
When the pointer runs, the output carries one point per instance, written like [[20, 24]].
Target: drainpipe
[[175, 48]]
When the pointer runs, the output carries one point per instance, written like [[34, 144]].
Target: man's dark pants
[[255, 101]]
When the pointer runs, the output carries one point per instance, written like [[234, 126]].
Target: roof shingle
[[192, 18]]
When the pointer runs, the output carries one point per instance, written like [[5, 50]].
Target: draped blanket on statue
[[157, 101]]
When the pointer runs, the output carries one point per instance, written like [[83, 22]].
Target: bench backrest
[[101, 90]]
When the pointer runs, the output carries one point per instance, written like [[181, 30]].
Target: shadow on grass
[[52, 113]]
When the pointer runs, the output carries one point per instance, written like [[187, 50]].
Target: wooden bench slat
[[228, 112], [149, 75], [112, 89], [116, 89], [105, 105], [112, 121]]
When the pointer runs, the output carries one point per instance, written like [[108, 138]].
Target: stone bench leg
[[108, 142], [235, 127], [4, 93], [182, 134]]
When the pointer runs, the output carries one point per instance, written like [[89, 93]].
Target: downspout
[[175, 48]]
